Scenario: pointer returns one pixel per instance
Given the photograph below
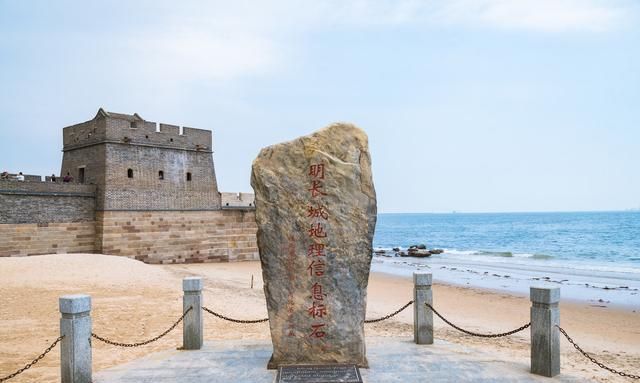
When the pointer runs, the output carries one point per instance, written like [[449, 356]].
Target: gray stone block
[[422, 315], [422, 279], [75, 347], [546, 295], [75, 304], [192, 284], [545, 336], [192, 325]]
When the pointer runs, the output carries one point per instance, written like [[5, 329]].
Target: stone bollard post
[[192, 334], [422, 316], [75, 348], [545, 336]]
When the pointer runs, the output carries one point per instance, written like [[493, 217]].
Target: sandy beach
[[133, 301]]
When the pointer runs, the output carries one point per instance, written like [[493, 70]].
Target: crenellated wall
[[132, 129]]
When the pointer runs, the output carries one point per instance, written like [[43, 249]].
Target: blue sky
[[485, 105]]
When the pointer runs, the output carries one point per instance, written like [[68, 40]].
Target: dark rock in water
[[396, 249], [402, 254], [436, 251], [422, 247], [316, 215], [379, 252], [415, 252]]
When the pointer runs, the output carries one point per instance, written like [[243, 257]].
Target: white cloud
[[201, 55], [536, 15], [540, 15], [218, 40]]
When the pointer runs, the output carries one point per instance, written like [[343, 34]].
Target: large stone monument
[[316, 214]]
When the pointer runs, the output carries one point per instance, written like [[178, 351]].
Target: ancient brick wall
[[178, 236], [46, 217], [147, 190], [47, 238], [45, 202], [188, 180]]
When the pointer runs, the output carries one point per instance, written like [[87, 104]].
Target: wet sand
[[133, 301]]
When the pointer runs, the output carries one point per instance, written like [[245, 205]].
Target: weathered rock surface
[[316, 215]]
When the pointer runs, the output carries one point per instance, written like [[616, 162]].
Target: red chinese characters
[[316, 331], [290, 250], [316, 250], [317, 171], [317, 310], [316, 268], [317, 212], [316, 189], [318, 216], [316, 292], [317, 230]]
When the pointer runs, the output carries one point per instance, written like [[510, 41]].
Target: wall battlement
[[37, 187], [134, 130]]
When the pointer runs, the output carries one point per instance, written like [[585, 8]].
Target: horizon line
[[519, 211]]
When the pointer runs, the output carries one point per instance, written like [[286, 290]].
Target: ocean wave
[[505, 254], [541, 256], [477, 253]]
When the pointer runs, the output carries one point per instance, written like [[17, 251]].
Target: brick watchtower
[[157, 198], [139, 165]]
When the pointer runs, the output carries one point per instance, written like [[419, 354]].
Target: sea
[[591, 256]]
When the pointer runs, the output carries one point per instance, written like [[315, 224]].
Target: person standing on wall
[[20, 177]]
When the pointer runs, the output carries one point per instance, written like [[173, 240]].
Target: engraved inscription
[[338, 373]]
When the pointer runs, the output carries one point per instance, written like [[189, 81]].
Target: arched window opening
[[188, 176], [160, 175], [129, 173]]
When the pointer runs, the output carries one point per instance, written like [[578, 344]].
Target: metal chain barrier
[[36, 360], [390, 315], [234, 320], [592, 359], [107, 341], [478, 334]]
